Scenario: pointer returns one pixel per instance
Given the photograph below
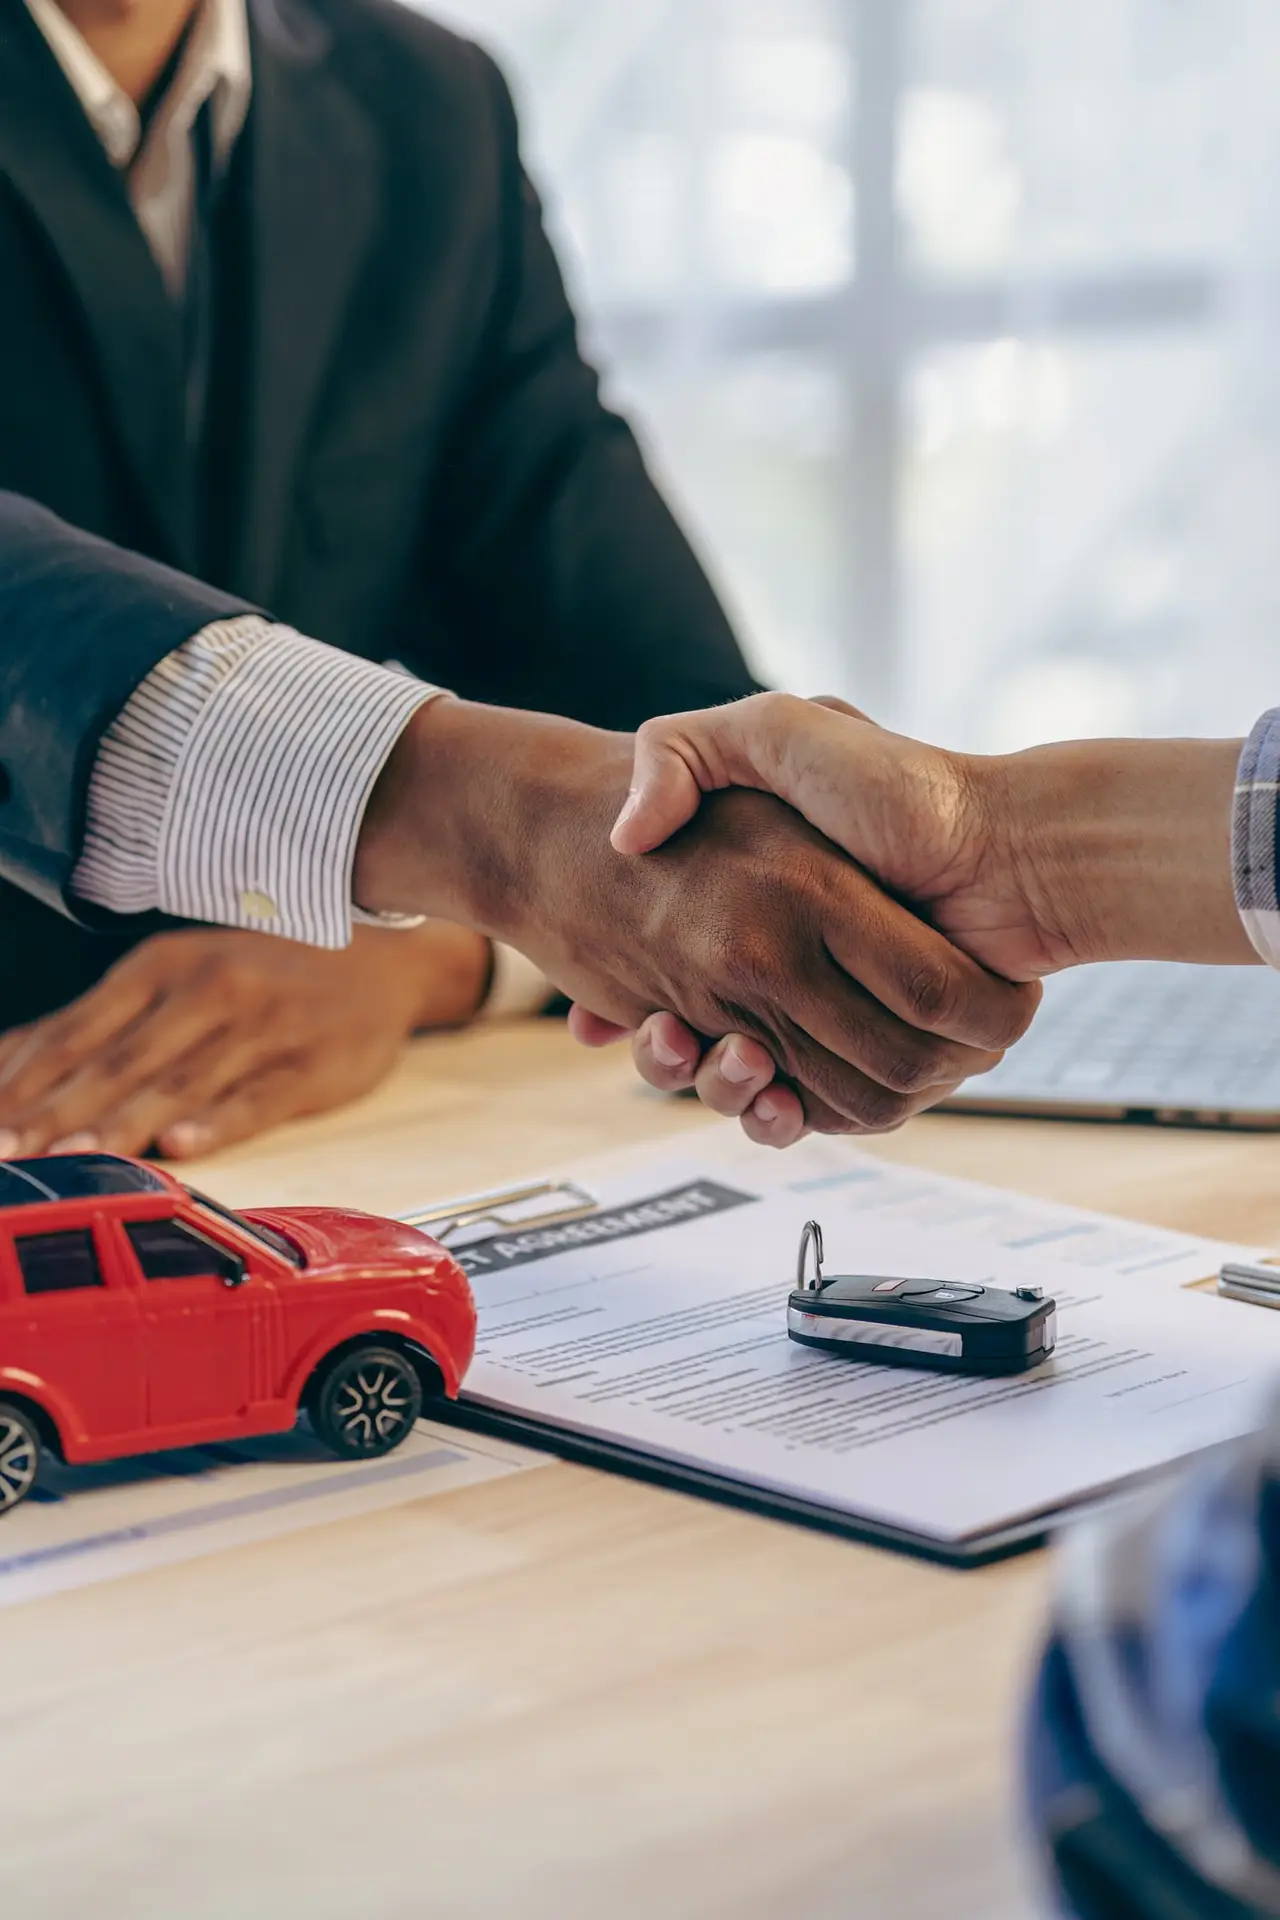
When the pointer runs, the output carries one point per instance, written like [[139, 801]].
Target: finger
[[776, 1118], [666, 1053], [681, 756], [36, 1058], [97, 1094], [590, 1030], [932, 987], [664, 795], [733, 1074], [176, 1108], [149, 1079], [284, 1090], [836, 1047], [804, 751]]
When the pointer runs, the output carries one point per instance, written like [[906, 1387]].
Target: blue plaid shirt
[[1154, 1733], [1254, 840]]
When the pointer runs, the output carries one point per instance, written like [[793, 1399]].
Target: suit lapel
[[313, 201], [54, 160]]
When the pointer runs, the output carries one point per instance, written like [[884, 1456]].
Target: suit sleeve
[[82, 624], [568, 584]]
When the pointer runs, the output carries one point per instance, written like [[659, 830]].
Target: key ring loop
[[811, 1237]]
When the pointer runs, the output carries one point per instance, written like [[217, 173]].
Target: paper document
[[658, 1325], [86, 1524]]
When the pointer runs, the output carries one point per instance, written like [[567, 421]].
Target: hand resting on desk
[[196, 1039]]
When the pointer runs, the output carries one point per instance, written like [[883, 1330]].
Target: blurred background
[[951, 326]]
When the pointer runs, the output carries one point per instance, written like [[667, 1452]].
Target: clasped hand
[[927, 826]]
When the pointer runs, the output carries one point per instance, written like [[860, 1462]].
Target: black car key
[[948, 1326]]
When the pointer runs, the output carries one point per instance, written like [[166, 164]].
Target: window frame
[[232, 1272], [87, 1232]]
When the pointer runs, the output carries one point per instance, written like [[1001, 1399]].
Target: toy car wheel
[[19, 1455], [367, 1401]]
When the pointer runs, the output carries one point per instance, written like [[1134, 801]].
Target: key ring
[[811, 1237]]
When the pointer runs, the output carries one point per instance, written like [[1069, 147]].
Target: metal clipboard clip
[[505, 1210], [1255, 1281]]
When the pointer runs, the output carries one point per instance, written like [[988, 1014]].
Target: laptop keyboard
[[1148, 1035]]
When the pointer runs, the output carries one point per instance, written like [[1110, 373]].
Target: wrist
[[477, 810], [453, 968], [1122, 848]]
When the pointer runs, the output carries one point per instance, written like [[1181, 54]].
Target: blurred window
[[951, 326]]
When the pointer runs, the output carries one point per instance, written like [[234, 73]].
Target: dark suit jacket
[[407, 455]]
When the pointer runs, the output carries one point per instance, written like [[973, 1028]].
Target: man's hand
[[1030, 862], [197, 1039], [748, 921]]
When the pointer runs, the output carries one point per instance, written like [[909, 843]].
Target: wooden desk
[[561, 1694]]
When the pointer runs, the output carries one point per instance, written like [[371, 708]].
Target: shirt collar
[[215, 66]]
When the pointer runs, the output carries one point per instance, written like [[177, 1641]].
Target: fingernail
[[735, 1069], [630, 804], [185, 1137], [766, 1109], [665, 1054], [75, 1143], [9, 1144]]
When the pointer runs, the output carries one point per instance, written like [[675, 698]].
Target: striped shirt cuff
[[232, 787], [1253, 837]]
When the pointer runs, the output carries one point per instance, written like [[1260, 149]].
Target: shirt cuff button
[[258, 906]]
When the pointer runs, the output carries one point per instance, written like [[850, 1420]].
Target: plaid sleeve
[[1253, 837]]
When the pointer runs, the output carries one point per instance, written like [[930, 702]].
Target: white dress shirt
[[233, 785], [214, 66]]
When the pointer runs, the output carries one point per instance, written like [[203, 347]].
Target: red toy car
[[135, 1315]]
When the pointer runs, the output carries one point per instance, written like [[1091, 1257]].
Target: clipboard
[[551, 1201]]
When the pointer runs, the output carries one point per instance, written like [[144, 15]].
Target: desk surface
[[560, 1694]]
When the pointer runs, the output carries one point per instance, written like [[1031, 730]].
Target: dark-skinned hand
[[200, 1038]]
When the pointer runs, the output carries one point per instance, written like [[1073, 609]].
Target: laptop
[[1145, 1040]]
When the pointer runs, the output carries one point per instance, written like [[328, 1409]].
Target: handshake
[[816, 923]]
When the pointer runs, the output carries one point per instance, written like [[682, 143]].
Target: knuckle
[[781, 709], [931, 990], [1020, 1007], [881, 1110], [654, 732], [918, 1068], [234, 977]]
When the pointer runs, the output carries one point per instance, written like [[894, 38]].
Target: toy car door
[[71, 1320], [201, 1314]]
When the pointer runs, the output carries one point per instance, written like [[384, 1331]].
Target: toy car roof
[[73, 1176]]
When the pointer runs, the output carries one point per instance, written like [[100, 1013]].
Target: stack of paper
[[655, 1331]]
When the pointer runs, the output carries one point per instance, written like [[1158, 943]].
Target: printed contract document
[[657, 1325]]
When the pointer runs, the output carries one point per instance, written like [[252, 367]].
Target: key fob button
[[943, 1292]]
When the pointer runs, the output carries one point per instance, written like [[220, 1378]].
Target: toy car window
[[19, 1188], [75, 1176], [58, 1262], [167, 1250]]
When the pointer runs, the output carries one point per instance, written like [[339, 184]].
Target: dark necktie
[[199, 299]]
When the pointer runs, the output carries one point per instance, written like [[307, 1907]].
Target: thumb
[[685, 755], [665, 789]]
